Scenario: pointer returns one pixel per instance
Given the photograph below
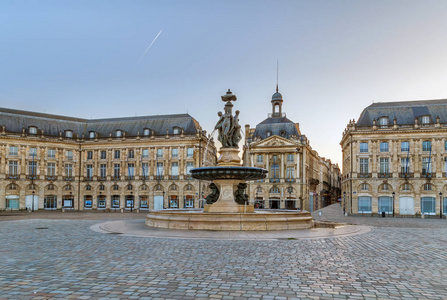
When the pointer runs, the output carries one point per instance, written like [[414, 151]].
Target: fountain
[[227, 206]]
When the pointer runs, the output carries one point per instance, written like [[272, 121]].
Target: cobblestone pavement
[[69, 261]]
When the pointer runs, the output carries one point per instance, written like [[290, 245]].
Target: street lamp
[[163, 199], [131, 201], [33, 199], [440, 205], [290, 194], [393, 202]]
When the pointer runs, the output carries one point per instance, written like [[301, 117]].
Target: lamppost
[[344, 203], [163, 199], [33, 199], [393, 202], [440, 205], [290, 193], [131, 201]]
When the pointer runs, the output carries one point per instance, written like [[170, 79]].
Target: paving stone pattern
[[69, 261]]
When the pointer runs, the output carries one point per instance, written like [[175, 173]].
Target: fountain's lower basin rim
[[239, 173]]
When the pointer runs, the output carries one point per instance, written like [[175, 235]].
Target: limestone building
[[53, 162], [298, 177], [395, 159]]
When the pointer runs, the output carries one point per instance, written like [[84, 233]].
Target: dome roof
[[277, 96]]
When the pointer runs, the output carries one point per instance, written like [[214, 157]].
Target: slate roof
[[405, 112], [280, 126], [16, 120]]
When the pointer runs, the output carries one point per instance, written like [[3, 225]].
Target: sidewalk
[[334, 213], [72, 215]]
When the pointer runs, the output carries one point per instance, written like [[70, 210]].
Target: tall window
[[159, 153], [290, 157], [32, 152], [189, 167], [115, 201], [384, 166], [51, 153], [69, 170], [116, 170], [174, 169], [89, 169], [131, 154], [274, 169], [145, 153], [363, 147], [13, 150], [365, 204], [117, 154], [405, 165], [426, 165], [13, 167], [69, 155], [174, 152], [51, 169], [405, 146], [445, 146], [290, 171], [190, 152], [103, 154], [384, 147], [89, 155], [259, 158], [426, 146], [159, 169], [131, 170], [364, 166], [145, 169], [103, 171], [445, 164]]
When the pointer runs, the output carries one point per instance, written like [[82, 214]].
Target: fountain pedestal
[[225, 202], [229, 157]]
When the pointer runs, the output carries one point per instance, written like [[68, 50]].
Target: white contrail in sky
[[150, 45]]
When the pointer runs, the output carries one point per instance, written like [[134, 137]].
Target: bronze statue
[[228, 128], [214, 195], [239, 195]]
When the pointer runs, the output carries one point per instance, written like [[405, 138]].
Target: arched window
[[274, 190], [144, 187], [129, 187], [158, 187], [427, 187], [259, 189], [115, 187], [173, 187], [364, 187]]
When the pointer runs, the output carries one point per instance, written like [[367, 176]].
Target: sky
[[87, 59]]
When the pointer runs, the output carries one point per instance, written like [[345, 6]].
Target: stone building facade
[[298, 177], [54, 162], [395, 159]]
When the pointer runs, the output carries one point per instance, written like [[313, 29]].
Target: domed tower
[[277, 104]]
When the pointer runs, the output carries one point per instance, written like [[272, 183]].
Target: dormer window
[[383, 122], [268, 133], [146, 131], [68, 134], [176, 130], [92, 134], [32, 130], [282, 133], [118, 133], [425, 120]]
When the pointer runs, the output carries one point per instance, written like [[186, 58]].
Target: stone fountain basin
[[226, 172], [259, 220]]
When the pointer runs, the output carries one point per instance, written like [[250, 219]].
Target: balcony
[[51, 177], [13, 176], [130, 177], [426, 174], [158, 177], [364, 175], [290, 179], [406, 175], [189, 177], [116, 178], [102, 178], [384, 175], [273, 180], [68, 178], [31, 177], [88, 178], [173, 177]]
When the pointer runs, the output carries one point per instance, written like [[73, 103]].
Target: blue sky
[[82, 58]]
